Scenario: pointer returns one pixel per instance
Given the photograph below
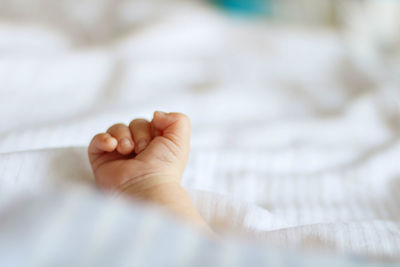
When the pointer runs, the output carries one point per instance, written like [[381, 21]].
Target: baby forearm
[[170, 195]]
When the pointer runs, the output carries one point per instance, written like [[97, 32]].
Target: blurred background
[[324, 50], [294, 103], [349, 46]]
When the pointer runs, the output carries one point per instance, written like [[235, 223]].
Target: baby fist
[[155, 151]]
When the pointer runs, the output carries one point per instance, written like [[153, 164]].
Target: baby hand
[[144, 152]]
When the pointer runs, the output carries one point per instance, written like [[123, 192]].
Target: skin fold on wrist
[[145, 184]]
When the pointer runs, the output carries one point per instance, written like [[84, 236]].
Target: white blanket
[[291, 144]]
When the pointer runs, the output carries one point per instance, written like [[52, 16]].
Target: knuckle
[[185, 122], [136, 122], [116, 127], [182, 117], [101, 137]]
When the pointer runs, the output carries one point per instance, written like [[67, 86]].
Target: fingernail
[[142, 145], [126, 143], [112, 141]]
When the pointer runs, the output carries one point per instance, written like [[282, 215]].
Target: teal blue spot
[[246, 6]]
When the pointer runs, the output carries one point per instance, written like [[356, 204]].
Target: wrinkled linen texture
[[291, 143]]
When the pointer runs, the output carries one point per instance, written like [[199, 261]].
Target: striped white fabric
[[292, 143], [82, 228]]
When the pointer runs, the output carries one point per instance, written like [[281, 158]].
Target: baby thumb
[[175, 127]]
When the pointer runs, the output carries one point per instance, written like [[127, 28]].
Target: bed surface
[[291, 143]]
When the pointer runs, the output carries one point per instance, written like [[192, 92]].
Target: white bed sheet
[[291, 144]]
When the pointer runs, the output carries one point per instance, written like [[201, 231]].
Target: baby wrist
[[137, 187]]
